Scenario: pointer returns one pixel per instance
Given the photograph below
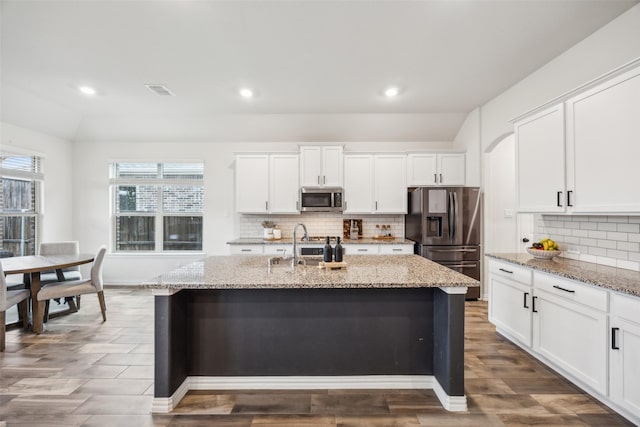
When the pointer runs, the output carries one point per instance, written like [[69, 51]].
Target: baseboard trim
[[163, 405]]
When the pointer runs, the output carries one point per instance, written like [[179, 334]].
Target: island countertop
[[250, 272]]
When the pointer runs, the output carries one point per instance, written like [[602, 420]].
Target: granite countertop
[[250, 272], [289, 241], [616, 279]]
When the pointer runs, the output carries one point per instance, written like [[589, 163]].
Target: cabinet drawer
[[512, 271], [625, 306], [571, 290], [361, 249], [278, 249], [246, 249], [396, 249]]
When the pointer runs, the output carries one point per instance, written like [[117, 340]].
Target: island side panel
[[448, 342], [170, 343], [307, 332]]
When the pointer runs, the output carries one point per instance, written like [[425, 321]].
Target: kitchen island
[[229, 322]]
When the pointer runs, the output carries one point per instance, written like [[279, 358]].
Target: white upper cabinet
[[580, 156], [267, 183], [435, 169], [540, 161], [284, 186], [390, 185], [252, 183], [358, 183], [603, 143], [375, 183], [321, 166]]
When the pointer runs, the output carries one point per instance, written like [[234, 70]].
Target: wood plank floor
[[82, 372]]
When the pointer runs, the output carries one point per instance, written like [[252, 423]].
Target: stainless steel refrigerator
[[445, 224]]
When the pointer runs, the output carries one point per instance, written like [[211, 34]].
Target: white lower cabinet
[[510, 300], [573, 337], [246, 249], [588, 333], [396, 249], [361, 249], [624, 353]]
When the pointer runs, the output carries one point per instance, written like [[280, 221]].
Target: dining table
[[31, 266]]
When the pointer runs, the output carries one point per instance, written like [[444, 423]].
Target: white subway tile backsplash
[[611, 262], [588, 226], [618, 219], [613, 253], [622, 237], [588, 242], [598, 234], [597, 251], [318, 224], [607, 240], [605, 226], [630, 247], [628, 265], [580, 233], [629, 228], [609, 244]]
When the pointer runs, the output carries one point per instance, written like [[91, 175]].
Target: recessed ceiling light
[[246, 93], [87, 90], [391, 92]]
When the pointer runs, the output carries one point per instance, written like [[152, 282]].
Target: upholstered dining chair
[[71, 247], [69, 288], [9, 298]]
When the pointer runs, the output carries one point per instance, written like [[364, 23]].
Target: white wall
[[92, 223], [468, 138], [57, 167], [500, 197], [610, 47]]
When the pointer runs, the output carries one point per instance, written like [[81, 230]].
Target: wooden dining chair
[[10, 298], [70, 288]]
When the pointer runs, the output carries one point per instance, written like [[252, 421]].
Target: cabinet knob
[[525, 240]]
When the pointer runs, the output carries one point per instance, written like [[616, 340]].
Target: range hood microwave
[[325, 199]]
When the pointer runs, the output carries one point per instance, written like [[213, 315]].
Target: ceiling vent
[[161, 90]]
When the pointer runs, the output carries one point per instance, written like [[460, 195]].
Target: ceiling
[[313, 65]]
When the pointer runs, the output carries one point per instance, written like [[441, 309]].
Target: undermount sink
[[313, 261]]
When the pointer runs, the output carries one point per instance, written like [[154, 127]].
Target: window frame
[[34, 175], [158, 182]]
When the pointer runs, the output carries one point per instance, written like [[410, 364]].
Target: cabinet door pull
[[397, 250], [558, 197], [318, 179], [614, 344], [245, 250], [363, 250], [376, 205], [266, 206], [569, 198], [324, 179], [571, 291], [435, 178], [506, 271], [533, 301], [297, 205], [524, 303]]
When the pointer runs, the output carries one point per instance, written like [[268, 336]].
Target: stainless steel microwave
[[326, 199]]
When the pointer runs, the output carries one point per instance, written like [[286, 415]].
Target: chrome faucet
[[296, 257]]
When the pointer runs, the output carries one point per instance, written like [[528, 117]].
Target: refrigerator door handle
[[455, 215], [450, 215]]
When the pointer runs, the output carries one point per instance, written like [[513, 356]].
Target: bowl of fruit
[[544, 249]]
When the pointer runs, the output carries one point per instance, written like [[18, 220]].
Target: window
[[158, 206], [20, 178]]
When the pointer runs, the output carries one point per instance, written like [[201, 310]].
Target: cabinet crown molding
[[583, 87]]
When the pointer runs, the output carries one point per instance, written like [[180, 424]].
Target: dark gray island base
[[331, 330]]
